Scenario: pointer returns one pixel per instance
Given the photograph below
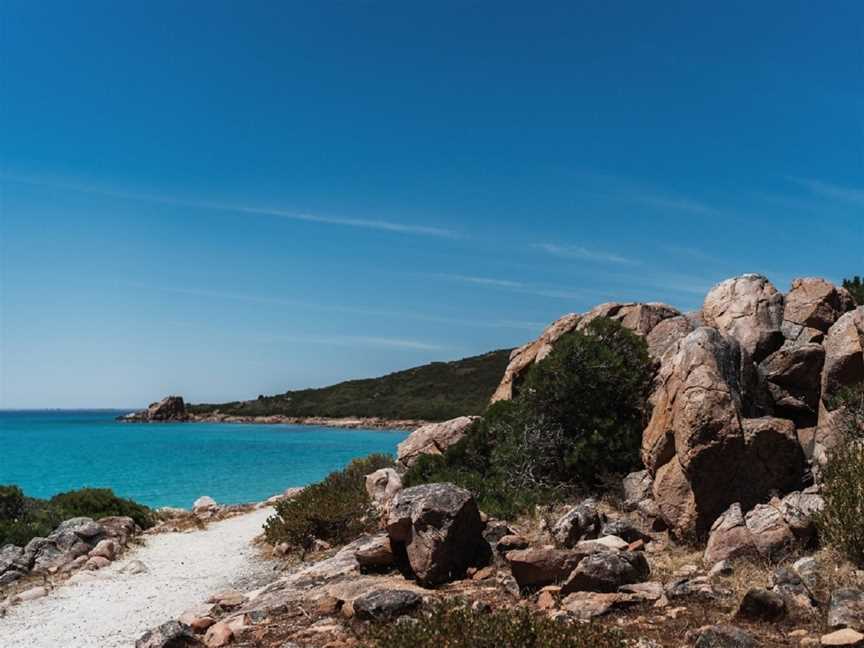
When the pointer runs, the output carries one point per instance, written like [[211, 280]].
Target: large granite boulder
[[844, 353], [700, 446], [433, 439], [750, 309], [170, 408], [438, 528], [816, 304], [793, 376]]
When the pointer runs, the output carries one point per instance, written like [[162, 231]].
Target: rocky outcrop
[[433, 439], [646, 320], [76, 543], [750, 309], [814, 304], [522, 358], [844, 352], [169, 409], [793, 376], [540, 566], [438, 529], [704, 452]]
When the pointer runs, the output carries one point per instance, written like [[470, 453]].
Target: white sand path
[[115, 609]]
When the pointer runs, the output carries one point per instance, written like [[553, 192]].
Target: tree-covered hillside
[[433, 392]]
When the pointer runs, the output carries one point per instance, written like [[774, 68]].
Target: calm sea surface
[[172, 464]]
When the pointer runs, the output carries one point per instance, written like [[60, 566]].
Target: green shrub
[[11, 503], [98, 503], [577, 417], [336, 510], [455, 625], [24, 518], [839, 522], [855, 285]]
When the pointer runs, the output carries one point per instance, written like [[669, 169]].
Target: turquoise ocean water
[[172, 464]]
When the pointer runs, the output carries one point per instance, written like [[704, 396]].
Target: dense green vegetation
[[455, 625], [432, 392], [855, 285], [843, 482], [23, 518], [578, 417], [336, 510]]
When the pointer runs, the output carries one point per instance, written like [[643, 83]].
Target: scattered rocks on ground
[[538, 566]]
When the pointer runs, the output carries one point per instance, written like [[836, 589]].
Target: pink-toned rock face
[[703, 452], [433, 439], [218, 635], [750, 309], [522, 358], [639, 318], [844, 353], [816, 303]]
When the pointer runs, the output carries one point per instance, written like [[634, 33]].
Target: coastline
[[374, 423]]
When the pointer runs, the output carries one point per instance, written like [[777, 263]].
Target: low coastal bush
[[843, 482], [577, 417], [336, 510], [855, 286], [98, 503], [24, 518], [456, 625]]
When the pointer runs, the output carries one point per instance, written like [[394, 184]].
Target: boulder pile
[[77, 543], [169, 409], [742, 406]]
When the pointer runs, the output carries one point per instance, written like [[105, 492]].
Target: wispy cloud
[[338, 308], [514, 286], [373, 224], [680, 204], [582, 253], [851, 195], [362, 341]]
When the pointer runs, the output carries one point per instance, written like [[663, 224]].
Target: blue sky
[[222, 199]]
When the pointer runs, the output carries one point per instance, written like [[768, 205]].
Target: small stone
[[547, 599], [228, 599], [97, 562], [844, 637], [134, 567], [762, 605], [105, 549], [721, 568], [30, 594], [723, 636], [218, 635], [386, 605]]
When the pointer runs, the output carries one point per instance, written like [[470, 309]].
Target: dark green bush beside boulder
[[840, 522], [457, 626], [578, 417], [855, 285], [336, 510], [24, 518]]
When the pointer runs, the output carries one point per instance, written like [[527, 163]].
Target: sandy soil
[[115, 609]]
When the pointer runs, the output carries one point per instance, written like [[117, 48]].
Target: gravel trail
[[115, 609]]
